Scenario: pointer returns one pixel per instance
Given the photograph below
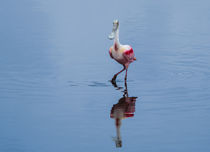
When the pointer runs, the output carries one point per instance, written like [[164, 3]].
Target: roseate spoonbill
[[123, 54]]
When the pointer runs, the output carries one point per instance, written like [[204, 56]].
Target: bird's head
[[118, 142], [114, 29]]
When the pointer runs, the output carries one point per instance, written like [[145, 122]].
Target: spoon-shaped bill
[[111, 36]]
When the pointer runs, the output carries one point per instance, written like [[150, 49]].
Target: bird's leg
[[115, 76], [115, 85], [126, 74]]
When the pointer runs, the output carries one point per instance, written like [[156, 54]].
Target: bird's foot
[[125, 92], [114, 79]]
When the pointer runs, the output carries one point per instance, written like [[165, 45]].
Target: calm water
[[55, 93]]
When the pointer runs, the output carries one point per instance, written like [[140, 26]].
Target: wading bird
[[123, 54]]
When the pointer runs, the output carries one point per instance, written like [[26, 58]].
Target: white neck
[[118, 121], [116, 37], [118, 133]]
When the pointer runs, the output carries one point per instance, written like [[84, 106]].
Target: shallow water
[[55, 93]]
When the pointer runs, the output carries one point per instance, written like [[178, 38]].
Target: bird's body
[[123, 54]]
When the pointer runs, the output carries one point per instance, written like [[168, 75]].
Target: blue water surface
[[55, 94]]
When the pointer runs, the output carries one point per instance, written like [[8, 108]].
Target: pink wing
[[110, 53], [129, 55]]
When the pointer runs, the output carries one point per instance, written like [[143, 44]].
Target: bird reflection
[[125, 108]]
